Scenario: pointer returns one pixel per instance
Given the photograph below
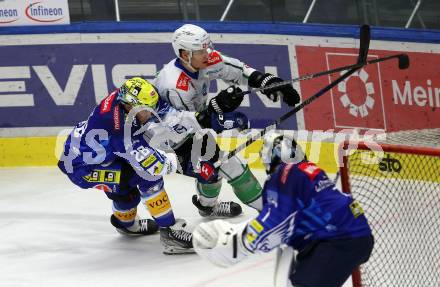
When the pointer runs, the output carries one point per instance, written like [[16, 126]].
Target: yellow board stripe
[[43, 151]]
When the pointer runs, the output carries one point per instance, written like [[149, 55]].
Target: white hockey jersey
[[186, 90]]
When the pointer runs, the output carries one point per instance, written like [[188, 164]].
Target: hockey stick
[[207, 169], [403, 63], [362, 60]]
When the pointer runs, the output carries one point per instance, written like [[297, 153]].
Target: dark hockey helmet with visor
[[279, 147]]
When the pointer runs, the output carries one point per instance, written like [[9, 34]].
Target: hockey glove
[[207, 173], [287, 92], [229, 121], [220, 242], [226, 101]]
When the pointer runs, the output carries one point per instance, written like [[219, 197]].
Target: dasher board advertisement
[[29, 13]]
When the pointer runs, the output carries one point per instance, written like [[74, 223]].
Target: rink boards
[[51, 79]]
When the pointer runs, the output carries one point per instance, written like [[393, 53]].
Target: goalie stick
[[208, 169]]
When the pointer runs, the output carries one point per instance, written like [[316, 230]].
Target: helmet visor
[[206, 48]]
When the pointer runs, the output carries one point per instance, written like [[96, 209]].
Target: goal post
[[399, 189]]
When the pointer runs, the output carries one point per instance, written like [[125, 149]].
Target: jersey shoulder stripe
[[106, 104], [285, 172]]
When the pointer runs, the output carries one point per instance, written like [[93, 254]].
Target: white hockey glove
[[220, 242]]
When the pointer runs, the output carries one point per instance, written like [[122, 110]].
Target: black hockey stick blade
[[364, 44], [403, 61]]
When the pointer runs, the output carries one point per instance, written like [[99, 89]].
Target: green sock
[[209, 190], [246, 187]]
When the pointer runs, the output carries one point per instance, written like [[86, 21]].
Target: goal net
[[399, 190]]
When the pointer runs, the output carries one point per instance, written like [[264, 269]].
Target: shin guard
[[247, 188]]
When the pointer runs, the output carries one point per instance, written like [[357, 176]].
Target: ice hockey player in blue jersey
[[108, 152], [302, 210]]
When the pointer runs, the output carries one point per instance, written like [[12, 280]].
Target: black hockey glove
[[204, 119], [287, 92], [226, 101]]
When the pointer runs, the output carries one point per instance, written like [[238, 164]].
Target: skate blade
[[177, 251], [131, 234], [212, 217]]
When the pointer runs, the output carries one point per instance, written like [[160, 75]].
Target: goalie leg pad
[[333, 260], [220, 242]]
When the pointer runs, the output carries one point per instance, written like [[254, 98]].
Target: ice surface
[[55, 234]]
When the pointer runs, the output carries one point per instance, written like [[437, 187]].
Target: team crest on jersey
[[106, 104], [183, 82], [214, 58], [309, 169]]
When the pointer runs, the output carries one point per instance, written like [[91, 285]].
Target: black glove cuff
[[214, 106], [255, 79], [204, 119]]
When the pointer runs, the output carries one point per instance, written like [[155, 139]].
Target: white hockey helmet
[[279, 147], [190, 38]]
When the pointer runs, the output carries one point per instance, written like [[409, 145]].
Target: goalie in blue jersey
[[303, 211]]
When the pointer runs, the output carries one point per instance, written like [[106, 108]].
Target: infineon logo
[[40, 12], [8, 16]]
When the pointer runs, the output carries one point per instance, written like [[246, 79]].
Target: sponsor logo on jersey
[[356, 209], [390, 164], [148, 161], [117, 119], [323, 184], [183, 82], [106, 176], [310, 169], [158, 167], [106, 104], [214, 58]]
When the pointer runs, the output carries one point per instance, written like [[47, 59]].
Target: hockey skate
[[140, 227], [177, 238], [219, 210]]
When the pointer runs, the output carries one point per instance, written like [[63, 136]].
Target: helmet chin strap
[[188, 63]]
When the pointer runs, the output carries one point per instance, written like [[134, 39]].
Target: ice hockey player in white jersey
[[184, 83]]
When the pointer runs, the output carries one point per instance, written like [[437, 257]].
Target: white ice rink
[[55, 234]]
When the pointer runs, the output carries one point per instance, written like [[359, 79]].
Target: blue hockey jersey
[[102, 138], [301, 205]]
